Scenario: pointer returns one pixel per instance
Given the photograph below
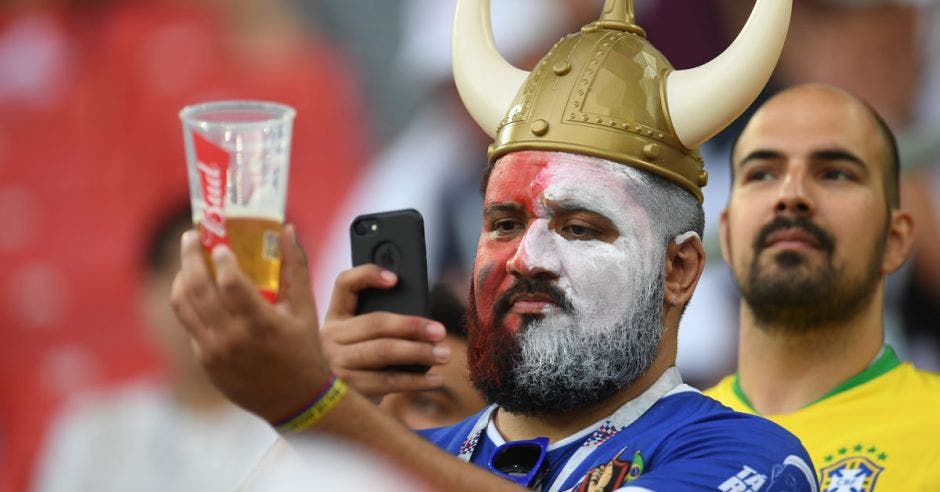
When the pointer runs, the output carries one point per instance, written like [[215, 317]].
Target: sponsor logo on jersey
[[746, 480], [793, 474], [852, 469]]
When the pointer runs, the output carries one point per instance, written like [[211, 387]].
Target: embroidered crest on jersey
[[852, 469], [609, 477]]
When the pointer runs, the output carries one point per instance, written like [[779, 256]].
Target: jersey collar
[[886, 360]]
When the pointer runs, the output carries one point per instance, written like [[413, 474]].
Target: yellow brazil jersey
[[877, 432]]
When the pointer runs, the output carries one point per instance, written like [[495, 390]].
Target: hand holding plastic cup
[[238, 156]]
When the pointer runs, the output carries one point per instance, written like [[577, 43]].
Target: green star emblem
[[872, 450], [829, 457], [882, 456], [857, 448], [843, 450]]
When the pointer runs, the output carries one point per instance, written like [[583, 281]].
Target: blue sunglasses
[[522, 462]]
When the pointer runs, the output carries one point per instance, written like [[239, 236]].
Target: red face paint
[[518, 179]]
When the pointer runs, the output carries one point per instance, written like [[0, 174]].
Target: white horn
[[704, 100], [487, 83]]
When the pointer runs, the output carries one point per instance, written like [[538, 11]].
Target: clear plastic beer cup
[[237, 156]]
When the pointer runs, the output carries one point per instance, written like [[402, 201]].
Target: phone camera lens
[[360, 228]]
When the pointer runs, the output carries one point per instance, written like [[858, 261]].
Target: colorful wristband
[[326, 399]]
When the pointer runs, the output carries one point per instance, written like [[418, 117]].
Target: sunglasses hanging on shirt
[[522, 462]]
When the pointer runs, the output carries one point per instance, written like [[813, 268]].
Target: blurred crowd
[[92, 166]]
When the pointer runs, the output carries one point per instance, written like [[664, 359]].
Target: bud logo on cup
[[212, 162], [238, 196]]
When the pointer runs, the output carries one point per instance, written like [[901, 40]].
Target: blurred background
[[92, 172]]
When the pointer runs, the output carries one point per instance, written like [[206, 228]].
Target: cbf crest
[[852, 469]]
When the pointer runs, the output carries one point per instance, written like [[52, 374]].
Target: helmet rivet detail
[[651, 151], [702, 178], [562, 68], [539, 127]]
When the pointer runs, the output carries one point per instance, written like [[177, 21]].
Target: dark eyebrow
[[762, 154], [838, 155], [571, 208], [502, 207], [819, 155]]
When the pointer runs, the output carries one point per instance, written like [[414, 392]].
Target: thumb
[[295, 274]]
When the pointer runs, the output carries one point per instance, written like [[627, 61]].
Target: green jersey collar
[[884, 362]]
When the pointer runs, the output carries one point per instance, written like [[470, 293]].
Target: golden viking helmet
[[607, 92]]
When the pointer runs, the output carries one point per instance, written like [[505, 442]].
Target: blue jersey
[[671, 438]]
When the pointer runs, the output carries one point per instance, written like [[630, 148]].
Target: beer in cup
[[237, 156]]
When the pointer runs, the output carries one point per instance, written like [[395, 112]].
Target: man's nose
[[794, 197], [537, 254]]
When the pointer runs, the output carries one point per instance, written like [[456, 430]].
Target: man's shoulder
[[906, 389], [903, 388], [701, 416], [698, 428], [689, 439], [920, 378]]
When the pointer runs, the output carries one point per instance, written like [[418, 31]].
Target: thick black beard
[[801, 299], [495, 357]]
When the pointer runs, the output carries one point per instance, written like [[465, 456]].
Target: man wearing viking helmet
[[589, 251]]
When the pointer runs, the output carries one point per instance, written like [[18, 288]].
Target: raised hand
[[360, 348], [265, 358]]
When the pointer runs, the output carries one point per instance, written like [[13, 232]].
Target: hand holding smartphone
[[393, 240]]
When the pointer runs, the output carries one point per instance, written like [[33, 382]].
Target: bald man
[[811, 229]]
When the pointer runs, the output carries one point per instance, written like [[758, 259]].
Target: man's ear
[[723, 235], [685, 260], [899, 240]]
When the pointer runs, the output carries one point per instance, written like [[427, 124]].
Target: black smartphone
[[393, 240]]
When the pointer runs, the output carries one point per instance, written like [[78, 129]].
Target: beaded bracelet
[[326, 399]]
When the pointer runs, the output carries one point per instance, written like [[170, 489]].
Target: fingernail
[[441, 353], [436, 330], [434, 378], [188, 237], [388, 276], [220, 253]]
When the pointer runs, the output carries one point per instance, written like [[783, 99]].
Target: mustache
[[825, 240], [531, 286]]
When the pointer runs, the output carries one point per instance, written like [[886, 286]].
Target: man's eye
[[579, 231], [506, 226], [758, 175], [837, 175]]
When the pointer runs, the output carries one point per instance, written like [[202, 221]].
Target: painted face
[[805, 226], [566, 260], [565, 218]]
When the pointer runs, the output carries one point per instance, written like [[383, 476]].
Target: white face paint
[[557, 224], [601, 279]]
